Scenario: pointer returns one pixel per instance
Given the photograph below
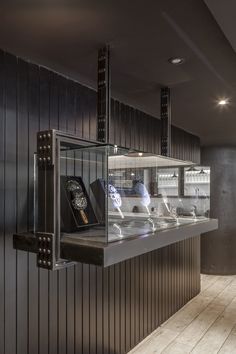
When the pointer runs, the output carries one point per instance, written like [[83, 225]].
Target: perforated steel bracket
[[165, 122], [103, 99]]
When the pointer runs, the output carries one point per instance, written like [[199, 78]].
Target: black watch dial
[[79, 201]]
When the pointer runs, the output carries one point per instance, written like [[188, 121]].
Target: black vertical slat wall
[[83, 309]]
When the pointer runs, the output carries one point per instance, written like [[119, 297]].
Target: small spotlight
[[223, 102], [140, 154], [176, 61]]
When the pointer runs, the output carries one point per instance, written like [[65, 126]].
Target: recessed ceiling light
[[176, 60], [223, 102]]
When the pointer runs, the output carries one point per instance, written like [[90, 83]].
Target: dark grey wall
[[83, 309], [218, 247]]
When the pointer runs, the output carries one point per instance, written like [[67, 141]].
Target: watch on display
[[115, 198], [76, 208], [79, 200], [141, 190]]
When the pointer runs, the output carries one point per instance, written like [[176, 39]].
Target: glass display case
[[106, 193], [101, 204]]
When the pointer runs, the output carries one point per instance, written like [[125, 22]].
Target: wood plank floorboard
[[207, 324]]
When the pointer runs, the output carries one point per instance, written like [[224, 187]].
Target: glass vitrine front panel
[[106, 193], [83, 199]]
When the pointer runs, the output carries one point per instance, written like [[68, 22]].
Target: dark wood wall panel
[[83, 309], [10, 201], [135, 129], [2, 203]]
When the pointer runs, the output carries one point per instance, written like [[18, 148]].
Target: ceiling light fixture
[[174, 175], [192, 169], [176, 60], [223, 102]]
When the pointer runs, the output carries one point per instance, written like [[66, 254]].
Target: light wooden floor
[[207, 324]]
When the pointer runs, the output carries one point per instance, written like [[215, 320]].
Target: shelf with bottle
[[166, 186], [199, 175], [168, 181], [197, 183], [168, 176]]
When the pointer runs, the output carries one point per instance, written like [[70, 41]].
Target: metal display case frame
[[47, 236]]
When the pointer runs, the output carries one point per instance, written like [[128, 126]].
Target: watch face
[[111, 188], [74, 186], [115, 196], [79, 201]]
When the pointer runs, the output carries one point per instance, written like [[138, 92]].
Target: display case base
[[75, 249]]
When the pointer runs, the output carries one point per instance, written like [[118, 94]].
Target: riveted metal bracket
[[45, 148], [45, 250]]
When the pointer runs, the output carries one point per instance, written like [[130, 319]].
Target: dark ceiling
[[65, 36]]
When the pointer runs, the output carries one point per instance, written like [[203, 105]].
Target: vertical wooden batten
[[85, 309]]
